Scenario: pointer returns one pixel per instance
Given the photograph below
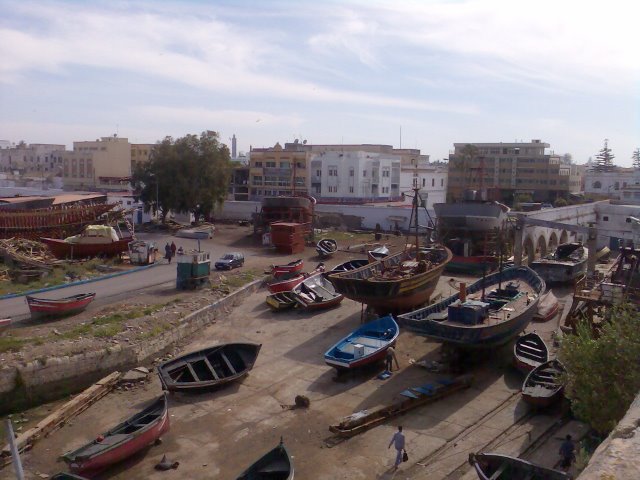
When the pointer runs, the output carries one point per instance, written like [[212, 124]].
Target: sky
[[412, 74]]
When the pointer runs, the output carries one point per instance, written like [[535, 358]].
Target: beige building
[[140, 153], [506, 170], [104, 164]]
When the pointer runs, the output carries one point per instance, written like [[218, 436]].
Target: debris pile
[[23, 253]]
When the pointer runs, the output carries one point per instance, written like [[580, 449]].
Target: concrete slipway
[[218, 434]]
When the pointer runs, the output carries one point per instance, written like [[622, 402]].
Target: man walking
[[167, 252], [398, 441], [567, 452], [173, 249]]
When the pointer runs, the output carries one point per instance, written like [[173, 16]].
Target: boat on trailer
[[276, 464], [316, 293], [122, 441], [566, 264], [287, 270], [326, 247], [208, 368], [488, 313], [495, 466], [544, 384], [367, 344], [45, 307], [530, 351]]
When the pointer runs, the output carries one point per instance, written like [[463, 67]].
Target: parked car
[[229, 261]]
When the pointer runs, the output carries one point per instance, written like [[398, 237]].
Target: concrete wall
[[33, 383], [617, 457]]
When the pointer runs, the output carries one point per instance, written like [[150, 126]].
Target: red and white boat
[[548, 307], [45, 307], [289, 270], [291, 283], [316, 293], [121, 442], [95, 240]]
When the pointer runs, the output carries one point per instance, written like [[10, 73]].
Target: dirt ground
[[149, 312]]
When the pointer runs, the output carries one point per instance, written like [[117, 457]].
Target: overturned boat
[[122, 441], [367, 344], [211, 367], [495, 466], [326, 247], [566, 264], [490, 312]]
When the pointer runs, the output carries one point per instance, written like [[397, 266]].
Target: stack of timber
[[412, 397], [25, 254], [53, 222], [289, 237], [57, 419]]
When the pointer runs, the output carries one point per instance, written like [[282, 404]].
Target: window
[[433, 182], [424, 182], [299, 165], [442, 182], [351, 172], [605, 218], [318, 173], [271, 164], [257, 180], [285, 165], [258, 164], [350, 189], [364, 173], [385, 172], [333, 171], [597, 185]]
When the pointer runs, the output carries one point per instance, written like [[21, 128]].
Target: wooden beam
[[66, 412]]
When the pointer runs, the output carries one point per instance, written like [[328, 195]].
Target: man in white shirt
[[398, 441]]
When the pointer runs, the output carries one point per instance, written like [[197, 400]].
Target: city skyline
[[432, 73]]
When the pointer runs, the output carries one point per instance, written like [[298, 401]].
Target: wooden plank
[[226, 360], [57, 419], [193, 372], [213, 370]]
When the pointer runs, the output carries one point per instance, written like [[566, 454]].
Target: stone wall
[[22, 386], [617, 458]]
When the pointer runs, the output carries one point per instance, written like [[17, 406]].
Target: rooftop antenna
[[400, 136]]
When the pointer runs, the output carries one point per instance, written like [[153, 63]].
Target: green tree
[[188, 174], [604, 159], [603, 371], [560, 202], [636, 158]]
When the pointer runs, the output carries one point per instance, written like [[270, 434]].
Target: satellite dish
[[304, 142]]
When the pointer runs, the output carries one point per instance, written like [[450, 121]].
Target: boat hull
[[559, 272], [281, 301], [46, 308], [62, 249], [372, 340], [285, 285], [486, 465], [276, 464], [287, 271], [529, 352], [96, 464], [476, 265], [538, 396], [387, 296], [316, 293], [484, 336]]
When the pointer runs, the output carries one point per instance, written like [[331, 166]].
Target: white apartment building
[[431, 178], [354, 177], [104, 164], [612, 184], [34, 157]]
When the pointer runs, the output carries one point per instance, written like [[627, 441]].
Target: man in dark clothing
[[567, 452], [173, 249], [167, 252]]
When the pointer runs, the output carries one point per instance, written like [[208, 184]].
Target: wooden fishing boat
[[367, 344], [286, 285], [548, 307], [66, 476], [276, 464], [495, 466], [281, 300], [326, 247], [530, 351], [566, 264], [95, 240], [316, 293], [287, 270], [490, 312], [378, 253], [410, 398], [211, 367], [544, 384], [349, 265], [45, 307], [397, 283], [122, 441]]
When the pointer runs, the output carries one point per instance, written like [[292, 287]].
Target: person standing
[[173, 249], [567, 452], [398, 441], [167, 252], [390, 357]]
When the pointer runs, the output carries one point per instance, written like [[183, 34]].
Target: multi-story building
[[430, 178], [354, 177], [507, 170], [611, 184], [286, 171], [239, 184], [140, 153], [35, 157], [104, 164]]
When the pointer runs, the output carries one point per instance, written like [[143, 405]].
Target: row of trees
[[188, 174], [604, 159]]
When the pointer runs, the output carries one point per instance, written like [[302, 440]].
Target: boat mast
[[414, 211]]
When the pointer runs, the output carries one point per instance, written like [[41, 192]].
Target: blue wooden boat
[[274, 465], [490, 312], [366, 345]]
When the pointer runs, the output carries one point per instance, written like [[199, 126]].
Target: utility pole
[[15, 454]]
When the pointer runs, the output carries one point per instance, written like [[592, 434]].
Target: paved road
[[122, 286]]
